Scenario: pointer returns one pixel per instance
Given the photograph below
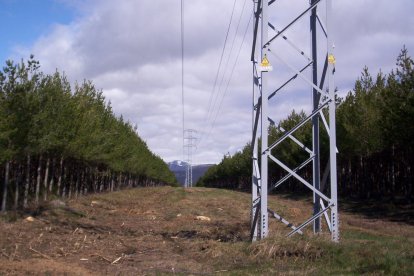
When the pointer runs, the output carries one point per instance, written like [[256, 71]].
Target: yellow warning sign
[[265, 65], [265, 62], [331, 59]]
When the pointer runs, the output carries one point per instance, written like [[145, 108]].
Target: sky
[[132, 51]]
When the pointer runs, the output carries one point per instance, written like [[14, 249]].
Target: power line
[[189, 138], [219, 67], [230, 53], [228, 82], [182, 74], [213, 112], [214, 96]]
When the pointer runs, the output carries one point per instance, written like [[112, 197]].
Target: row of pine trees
[[63, 141], [375, 136]]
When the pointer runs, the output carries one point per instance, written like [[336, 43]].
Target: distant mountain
[[179, 168], [177, 165]]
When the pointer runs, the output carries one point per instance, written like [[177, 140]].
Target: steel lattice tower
[[266, 56], [190, 143]]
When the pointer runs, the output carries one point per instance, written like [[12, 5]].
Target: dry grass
[[282, 249], [151, 231]]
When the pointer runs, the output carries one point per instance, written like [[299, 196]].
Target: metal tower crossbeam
[[323, 99]]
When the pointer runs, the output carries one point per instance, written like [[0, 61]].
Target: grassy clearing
[[156, 231]]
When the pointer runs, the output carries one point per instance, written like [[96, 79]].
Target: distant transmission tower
[[273, 50], [190, 143]]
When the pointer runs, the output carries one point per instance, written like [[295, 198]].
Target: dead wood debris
[[41, 254], [102, 257], [116, 260]]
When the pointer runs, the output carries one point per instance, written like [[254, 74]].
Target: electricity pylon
[[270, 47], [190, 143]]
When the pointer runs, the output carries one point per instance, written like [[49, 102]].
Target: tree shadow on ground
[[397, 209], [393, 210]]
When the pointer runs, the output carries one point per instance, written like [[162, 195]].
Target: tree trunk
[[18, 181], [6, 183], [410, 185], [52, 178], [77, 183], [100, 184], [64, 182], [70, 185], [27, 184], [94, 181], [84, 181], [393, 172], [39, 171], [45, 181], [120, 181], [59, 184], [112, 182]]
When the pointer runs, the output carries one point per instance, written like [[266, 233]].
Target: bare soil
[[156, 231]]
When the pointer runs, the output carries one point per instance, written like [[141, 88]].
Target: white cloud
[[131, 49]]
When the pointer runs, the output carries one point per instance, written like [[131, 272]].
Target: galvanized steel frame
[[323, 98], [190, 143]]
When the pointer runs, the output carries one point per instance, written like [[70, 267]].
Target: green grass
[[363, 254], [360, 252]]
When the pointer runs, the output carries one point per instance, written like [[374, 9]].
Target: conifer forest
[[58, 140], [62, 141], [375, 134], [210, 137]]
